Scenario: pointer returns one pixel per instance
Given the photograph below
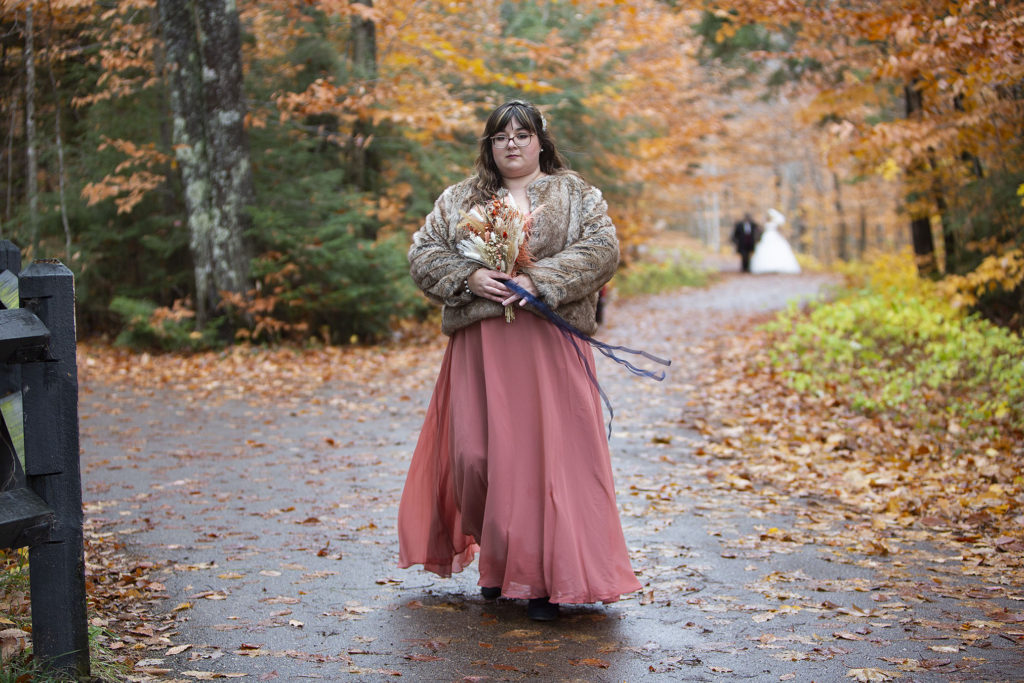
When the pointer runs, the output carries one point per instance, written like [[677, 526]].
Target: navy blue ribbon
[[572, 334]]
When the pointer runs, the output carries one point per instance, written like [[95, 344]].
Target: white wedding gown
[[773, 253]]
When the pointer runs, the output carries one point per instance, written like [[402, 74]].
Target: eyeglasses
[[522, 139]]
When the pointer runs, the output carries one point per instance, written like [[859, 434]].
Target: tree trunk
[[716, 222], [949, 241], [800, 229], [862, 241], [924, 245], [793, 212], [171, 190], [920, 223], [60, 180], [32, 172], [363, 56], [363, 44], [221, 45], [61, 175], [777, 174], [821, 248], [203, 50], [842, 248], [10, 159]]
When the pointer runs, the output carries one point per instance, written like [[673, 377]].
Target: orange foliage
[[435, 61], [437, 67], [260, 308], [999, 272], [127, 47], [128, 190], [962, 57]]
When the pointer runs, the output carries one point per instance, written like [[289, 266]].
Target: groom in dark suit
[[745, 235]]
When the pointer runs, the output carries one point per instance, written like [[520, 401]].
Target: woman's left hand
[[524, 281]]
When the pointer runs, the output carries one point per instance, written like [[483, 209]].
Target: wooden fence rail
[[40, 479]]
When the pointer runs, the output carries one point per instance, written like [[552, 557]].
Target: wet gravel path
[[277, 524]]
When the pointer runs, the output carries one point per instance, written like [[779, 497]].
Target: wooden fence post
[[60, 634], [11, 473]]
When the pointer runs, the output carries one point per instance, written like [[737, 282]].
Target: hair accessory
[[530, 105]]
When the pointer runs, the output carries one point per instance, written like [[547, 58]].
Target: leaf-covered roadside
[[131, 623], [914, 428], [742, 560], [255, 374], [126, 616]]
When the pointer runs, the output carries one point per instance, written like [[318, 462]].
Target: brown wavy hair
[[488, 179]]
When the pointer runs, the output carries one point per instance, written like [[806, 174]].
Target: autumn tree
[[37, 51], [359, 113], [617, 80], [911, 90], [765, 152]]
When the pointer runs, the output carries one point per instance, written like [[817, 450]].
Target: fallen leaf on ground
[[211, 675], [944, 648], [591, 661], [423, 658], [12, 641], [871, 675]]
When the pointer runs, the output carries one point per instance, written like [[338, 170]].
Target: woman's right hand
[[489, 284]]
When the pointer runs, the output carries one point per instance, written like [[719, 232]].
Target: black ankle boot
[[542, 609], [490, 593]]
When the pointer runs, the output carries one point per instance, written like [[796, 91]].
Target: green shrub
[[148, 326], [336, 284], [651, 278], [901, 348]]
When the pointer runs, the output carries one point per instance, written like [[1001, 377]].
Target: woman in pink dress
[[512, 462]]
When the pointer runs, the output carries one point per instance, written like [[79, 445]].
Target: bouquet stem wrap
[[572, 334]]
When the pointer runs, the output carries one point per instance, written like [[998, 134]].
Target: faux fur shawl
[[572, 241]]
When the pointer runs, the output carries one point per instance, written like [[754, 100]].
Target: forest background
[[217, 170], [254, 169]]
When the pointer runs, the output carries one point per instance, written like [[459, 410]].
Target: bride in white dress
[[773, 253]]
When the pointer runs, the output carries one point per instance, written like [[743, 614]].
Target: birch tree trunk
[[32, 170], [203, 51], [221, 46], [61, 172], [61, 182]]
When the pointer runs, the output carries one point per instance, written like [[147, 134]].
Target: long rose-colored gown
[[512, 462]]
